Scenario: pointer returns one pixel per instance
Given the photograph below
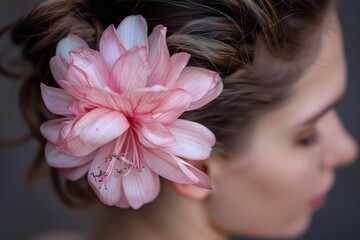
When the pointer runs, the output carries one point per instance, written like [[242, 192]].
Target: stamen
[[103, 176], [126, 160], [125, 157]]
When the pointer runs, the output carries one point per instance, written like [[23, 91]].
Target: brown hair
[[223, 35]]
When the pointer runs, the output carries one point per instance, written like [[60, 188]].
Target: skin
[[270, 190]]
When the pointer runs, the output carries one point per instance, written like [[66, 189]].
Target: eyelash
[[310, 139]]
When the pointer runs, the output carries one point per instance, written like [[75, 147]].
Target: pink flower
[[120, 108]]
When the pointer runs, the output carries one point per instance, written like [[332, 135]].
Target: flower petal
[[88, 68], [69, 43], [58, 66], [133, 32], [193, 140], [208, 97], [151, 133], [103, 177], [60, 62], [74, 174], [110, 46], [130, 71], [197, 81], [203, 179], [141, 186], [173, 104], [94, 97], [159, 57], [95, 129], [80, 108], [56, 100], [101, 125], [60, 160], [178, 62], [123, 202], [50, 129], [161, 104], [174, 169]]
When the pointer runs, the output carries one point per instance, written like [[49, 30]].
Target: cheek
[[268, 197]]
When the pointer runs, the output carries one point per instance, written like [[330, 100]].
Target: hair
[[257, 46]]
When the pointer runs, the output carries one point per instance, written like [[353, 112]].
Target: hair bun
[[43, 27]]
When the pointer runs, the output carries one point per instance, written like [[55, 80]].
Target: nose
[[342, 149]]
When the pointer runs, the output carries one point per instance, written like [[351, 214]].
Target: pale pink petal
[[87, 68], [159, 57], [110, 46], [151, 133], [141, 186], [58, 66], [174, 169], [74, 174], [64, 130], [123, 202], [50, 129], [208, 97], [193, 140], [94, 97], [133, 32], [144, 100], [56, 100], [60, 160], [101, 125], [95, 129], [69, 43], [60, 62], [163, 105], [80, 108], [171, 107], [197, 81], [103, 176], [79, 92], [178, 62], [204, 179], [130, 71], [72, 145]]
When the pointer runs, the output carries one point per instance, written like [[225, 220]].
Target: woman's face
[[273, 189]]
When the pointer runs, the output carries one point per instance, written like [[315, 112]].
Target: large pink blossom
[[120, 108]]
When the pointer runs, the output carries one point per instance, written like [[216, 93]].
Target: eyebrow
[[312, 119]]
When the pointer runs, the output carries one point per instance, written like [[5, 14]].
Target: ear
[[192, 191]]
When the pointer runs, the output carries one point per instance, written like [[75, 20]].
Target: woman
[[278, 137]]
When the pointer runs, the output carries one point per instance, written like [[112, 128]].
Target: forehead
[[321, 83], [325, 79], [328, 70]]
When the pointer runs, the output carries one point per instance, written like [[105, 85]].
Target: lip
[[318, 202], [320, 199]]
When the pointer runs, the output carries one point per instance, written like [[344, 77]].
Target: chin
[[295, 230], [291, 231]]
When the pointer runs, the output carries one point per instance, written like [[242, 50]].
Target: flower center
[[125, 157]]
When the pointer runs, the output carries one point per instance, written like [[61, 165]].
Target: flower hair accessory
[[120, 108]]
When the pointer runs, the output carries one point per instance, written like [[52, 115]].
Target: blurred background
[[30, 209]]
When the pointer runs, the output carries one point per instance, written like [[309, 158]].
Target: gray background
[[29, 209]]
